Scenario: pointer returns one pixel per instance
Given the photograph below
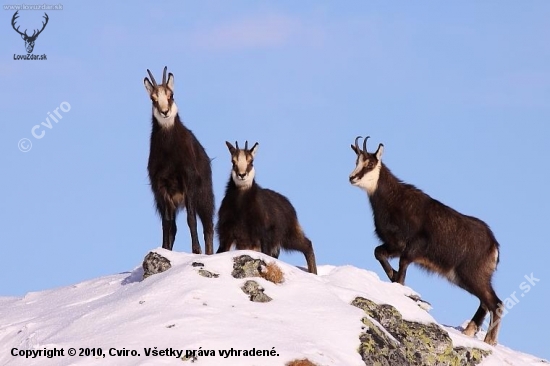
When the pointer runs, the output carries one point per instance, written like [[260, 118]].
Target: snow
[[309, 316]]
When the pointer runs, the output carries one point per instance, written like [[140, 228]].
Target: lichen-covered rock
[[378, 349], [255, 291], [415, 343], [470, 356], [208, 274], [154, 263], [246, 266]]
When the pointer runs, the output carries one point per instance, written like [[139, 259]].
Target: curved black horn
[[237, 145], [246, 145], [152, 78], [357, 143], [164, 75], [365, 144]]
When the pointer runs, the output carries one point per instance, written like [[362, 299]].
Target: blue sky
[[458, 93]]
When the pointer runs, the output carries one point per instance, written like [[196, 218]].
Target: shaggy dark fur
[[419, 229], [260, 219], [181, 177]]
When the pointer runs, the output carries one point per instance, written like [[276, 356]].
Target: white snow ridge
[[124, 320]]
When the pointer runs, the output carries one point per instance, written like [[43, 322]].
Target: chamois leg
[[495, 307], [169, 229], [399, 276], [492, 333], [267, 245], [408, 256], [489, 301], [207, 230], [225, 243], [475, 324], [310, 256], [276, 252], [166, 228], [382, 253], [192, 223], [208, 233], [299, 242], [173, 230]]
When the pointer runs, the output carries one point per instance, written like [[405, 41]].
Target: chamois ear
[[170, 82], [148, 86], [354, 148], [379, 151], [230, 147], [254, 149]]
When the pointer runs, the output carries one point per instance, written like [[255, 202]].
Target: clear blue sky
[[458, 92]]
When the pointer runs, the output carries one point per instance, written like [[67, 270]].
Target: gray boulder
[[255, 291], [246, 266], [154, 263]]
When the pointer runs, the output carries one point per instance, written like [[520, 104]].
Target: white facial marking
[[163, 106], [369, 181], [242, 165], [241, 162]]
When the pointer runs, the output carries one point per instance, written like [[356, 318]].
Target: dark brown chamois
[[419, 229], [255, 218], [179, 169]]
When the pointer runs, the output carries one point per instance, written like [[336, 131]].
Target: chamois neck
[[243, 182], [387, 186], [369, 182], [243, 186], [168, 121]]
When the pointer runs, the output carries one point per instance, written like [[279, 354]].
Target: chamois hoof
[[471, 329], [491, 342]]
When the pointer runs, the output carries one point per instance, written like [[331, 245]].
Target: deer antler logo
[[29, 40]]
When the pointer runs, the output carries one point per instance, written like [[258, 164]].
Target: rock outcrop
[[390, 340], [154, 263]]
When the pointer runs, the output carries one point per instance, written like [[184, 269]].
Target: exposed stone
[[208, 274], [190, 358], [197, 264], [470, 356], [255, 291], [377, 348], [154, 263], [246, 266], [421, 303], [415, 343]]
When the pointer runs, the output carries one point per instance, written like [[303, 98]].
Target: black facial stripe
[[364, 170]]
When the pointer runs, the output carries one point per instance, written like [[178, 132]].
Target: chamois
[[419, 229], [256, 218], [179, 169]]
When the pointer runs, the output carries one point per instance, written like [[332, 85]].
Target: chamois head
[[242, 172], [367, 166], [162, 96]]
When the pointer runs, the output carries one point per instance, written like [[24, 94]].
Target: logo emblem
[[29, 40]]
